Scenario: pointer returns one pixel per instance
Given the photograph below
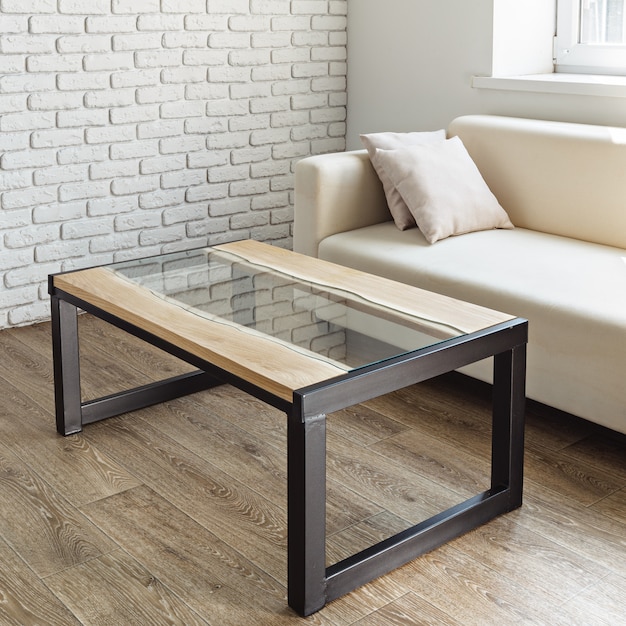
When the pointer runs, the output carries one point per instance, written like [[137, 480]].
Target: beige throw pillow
[[443, 189], [391, 141]]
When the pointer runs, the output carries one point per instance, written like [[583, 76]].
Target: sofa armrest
[[335, 193]]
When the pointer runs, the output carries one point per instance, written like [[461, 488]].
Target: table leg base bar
[[389, 554], [145, 396]]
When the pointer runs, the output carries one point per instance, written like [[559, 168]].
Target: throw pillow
[[391, 141], [443, 189]]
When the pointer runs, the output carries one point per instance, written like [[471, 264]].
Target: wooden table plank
[[265, 361]]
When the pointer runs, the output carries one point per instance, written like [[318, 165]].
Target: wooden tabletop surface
[[261, 360]]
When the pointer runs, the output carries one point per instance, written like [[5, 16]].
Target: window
[[591, 36]]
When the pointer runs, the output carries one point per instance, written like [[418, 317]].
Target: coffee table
[[308, 337]]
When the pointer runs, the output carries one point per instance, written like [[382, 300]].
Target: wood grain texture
[[260, 359], [416, 303], [176, 514], [235, 512], [76, 470], [216, 580], [49, 534], [24, 597], [116, 589]]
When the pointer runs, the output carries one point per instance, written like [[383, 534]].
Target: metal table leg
[[65, 353]]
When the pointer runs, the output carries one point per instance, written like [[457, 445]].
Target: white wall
[[411, 63], [132, 127]]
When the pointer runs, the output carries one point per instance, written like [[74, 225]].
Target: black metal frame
[[310, 583]]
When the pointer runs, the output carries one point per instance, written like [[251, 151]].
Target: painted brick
[[85, 228], [60, 24], [10, 259], [109, 98], [59, 212], [160, 164], [114, 242], [308, 6], [26, 83], [158, 58], [85, 191], [130, 6], [27, 44], [111, 206], [31, 236], [83, 154], [161, 198], [84, 44], [134, 185], [137, 221], [183, 6], [32, 197], [110, 134], [113, 169], [229, 6], [59, 251], [85, 7], [137, 41], [208, 23], [15, 180], [134, 127], [82, 81], [111, 61], [29, 6], [60, 174], [157, 22], [31, 120], [54, 101], [111, 24], [20, 218], [84, 117]]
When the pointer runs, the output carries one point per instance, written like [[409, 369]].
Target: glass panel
[[602, 22], [325, 322]]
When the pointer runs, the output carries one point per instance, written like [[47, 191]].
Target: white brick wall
[[134, 127]]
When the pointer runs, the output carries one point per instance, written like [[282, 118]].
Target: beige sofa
[[563, 266]]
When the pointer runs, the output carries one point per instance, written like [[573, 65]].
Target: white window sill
[[573, 84]]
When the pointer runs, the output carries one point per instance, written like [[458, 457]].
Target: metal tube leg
[[509, 398], [306, 450], [65, 354]]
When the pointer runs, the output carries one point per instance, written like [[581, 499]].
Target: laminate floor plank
[[115, 589], [567, 524], [408, 610], [396, 488], [215, 579], [569, 477], [469, 591], [554, 573], [76, 470], [25, 368], [600, 604], [24, 598], [445, 463], [233, 511], [239, 453], [613, 506], [177, 513], [40, 525]]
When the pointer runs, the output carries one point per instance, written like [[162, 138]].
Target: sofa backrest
[[555, 177]]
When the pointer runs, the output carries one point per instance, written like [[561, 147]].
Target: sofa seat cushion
[[572, 292]]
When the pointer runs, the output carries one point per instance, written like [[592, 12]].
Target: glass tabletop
[[327, 323]]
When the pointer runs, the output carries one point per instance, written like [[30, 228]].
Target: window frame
[[570, 56]]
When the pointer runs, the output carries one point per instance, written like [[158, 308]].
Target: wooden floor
[[177, 514]]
